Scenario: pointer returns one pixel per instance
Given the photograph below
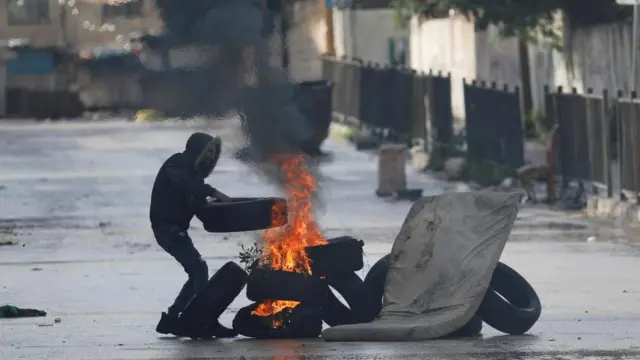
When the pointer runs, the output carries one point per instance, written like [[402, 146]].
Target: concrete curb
[[613, 209]]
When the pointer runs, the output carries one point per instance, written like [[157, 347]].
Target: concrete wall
[[360, 34], [598, 57], [453, 45], [108, 88], [307, 40], [365, 34], [447, 45]]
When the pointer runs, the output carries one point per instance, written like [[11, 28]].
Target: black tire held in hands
[[342, 255], [511, 305], [207, 306], [357, 295], [375, 281], [242, 214], [267, 284], [300, 322]]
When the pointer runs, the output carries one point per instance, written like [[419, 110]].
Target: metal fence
[[407, 104], [494, 124], [628, 110], [598, 136], [27, 103], [584, 146]]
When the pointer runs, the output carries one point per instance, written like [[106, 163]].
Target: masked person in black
[[179, 192]]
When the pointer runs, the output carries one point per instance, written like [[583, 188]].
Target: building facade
[[75, 24], [47, 28]]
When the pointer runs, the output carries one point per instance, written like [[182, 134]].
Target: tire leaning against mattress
[[375, 281], [511, 305], [357, 295]]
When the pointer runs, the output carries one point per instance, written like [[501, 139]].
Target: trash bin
[[314, 100]]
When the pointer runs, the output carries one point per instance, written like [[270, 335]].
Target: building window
[[128, 10], [27, 12]]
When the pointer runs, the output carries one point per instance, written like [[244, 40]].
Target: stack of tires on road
[[332, 265], [510, 304]]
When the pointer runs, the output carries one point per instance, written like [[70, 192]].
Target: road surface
[[74, 198]]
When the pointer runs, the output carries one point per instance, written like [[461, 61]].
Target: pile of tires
[[333, 265], [510, 305]]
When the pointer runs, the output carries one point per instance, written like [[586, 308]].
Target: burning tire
[[268, 284], [342, 255], [299, 322], [511, 305], [375, 281], [207, 306], [244, 214], [361, 307]]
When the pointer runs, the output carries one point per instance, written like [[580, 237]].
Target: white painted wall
[[365, 34], [452, 45], [307, 40], [598, 57], [446, 45]]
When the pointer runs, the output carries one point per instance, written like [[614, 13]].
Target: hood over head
[[203, 151]]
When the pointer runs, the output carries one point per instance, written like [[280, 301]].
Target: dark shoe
[[217, 331], [221, 331], [168, 325]]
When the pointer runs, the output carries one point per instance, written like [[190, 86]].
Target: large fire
[[285, 247]]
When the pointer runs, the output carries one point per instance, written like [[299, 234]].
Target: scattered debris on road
[[10, 311]]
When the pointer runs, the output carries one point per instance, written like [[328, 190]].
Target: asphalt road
[[74, 197]]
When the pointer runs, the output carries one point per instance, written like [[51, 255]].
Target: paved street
[[74, 198]]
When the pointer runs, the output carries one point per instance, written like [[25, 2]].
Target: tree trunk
[[525, 75]]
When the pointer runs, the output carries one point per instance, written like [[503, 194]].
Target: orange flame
[[285, 247]]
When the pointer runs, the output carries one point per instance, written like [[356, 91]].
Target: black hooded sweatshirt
[[179, 190]]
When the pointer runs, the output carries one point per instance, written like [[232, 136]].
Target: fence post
[[634, 144], [621, 143], [606, 140], [589, 117], [565, 179]]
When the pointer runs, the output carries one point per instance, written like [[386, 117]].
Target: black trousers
[[179, 245]]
